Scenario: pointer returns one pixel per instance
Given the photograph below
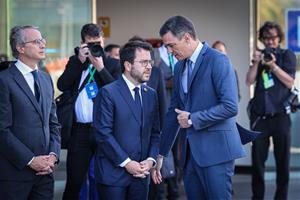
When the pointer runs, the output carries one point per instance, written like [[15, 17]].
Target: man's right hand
[[83, 53], [135, 169], [155, 173]]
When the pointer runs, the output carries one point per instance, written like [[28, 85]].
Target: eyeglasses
[[272, 37], [37, 42], [145, 63]]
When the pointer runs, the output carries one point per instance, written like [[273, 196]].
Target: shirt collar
[[196, 53], [130, 85], [23, 68]]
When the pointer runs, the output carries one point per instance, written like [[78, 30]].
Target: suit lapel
[[145, 102], [43, 87], [124, 90], [197, 66], [19, 78]]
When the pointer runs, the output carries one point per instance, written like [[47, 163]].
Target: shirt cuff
[[30, 161], [52, 153], [125, 162]]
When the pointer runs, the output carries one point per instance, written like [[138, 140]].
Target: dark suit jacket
[[156, 82], [212, 101], [26, 128], [70, 78], [120, 133]]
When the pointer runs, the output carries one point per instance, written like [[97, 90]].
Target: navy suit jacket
[[212, 101], [120, 133], [26, 128]]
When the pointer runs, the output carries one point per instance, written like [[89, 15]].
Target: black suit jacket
[[70, 78], [27, 128]]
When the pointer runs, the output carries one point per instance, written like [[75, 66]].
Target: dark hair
[[91, 30], [127, 52], [267, 27], [178, 26], [216, 43], [137, 38], [18, 37], [109, 47]]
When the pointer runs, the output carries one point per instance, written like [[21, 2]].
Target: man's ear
[[187, 37], [127, 66], [20, 48]]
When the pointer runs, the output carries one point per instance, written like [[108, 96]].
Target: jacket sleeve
[[71, 75]]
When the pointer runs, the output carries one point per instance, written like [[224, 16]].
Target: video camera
[[291, 104]]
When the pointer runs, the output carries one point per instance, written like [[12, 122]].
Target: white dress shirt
[[26, 72], [84, 105]]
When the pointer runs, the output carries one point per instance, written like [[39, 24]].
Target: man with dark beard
[[127, 128]]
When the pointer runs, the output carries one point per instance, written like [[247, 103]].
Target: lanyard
[[91, 73]]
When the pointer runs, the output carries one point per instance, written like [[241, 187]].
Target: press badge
[[268, 79], [91, 90]]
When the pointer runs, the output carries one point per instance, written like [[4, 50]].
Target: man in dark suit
[[29, 131], [127, 123], [203, 106], [88, 67]]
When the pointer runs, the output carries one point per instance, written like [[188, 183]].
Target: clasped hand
[[43, 164], [139, 169]]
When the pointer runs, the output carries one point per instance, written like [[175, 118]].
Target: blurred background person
[[220, 46], [273, 72], [112, 51]]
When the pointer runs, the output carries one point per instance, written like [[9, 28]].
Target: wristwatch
[[189, 120]]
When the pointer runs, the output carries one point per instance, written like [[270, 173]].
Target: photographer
[[273, 70], [88, 66]]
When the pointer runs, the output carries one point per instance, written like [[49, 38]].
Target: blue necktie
[[36, 85], [190, 70], [138, 103]]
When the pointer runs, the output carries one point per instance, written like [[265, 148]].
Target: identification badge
[[91, 90], [268, 79]]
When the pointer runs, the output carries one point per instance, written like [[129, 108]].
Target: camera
[[95, 49], [268, 51], [291, 104]]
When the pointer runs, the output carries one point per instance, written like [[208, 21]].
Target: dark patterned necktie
[[138, 103], [36, 85]]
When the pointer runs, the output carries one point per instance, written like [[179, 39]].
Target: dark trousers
[[136, 190], [80, 151], [41, 188], [277, 127]]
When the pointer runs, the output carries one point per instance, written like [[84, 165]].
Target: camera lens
[[95, 49], [268, 54]]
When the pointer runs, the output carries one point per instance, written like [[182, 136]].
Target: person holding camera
[[90, 69], [273, 71]]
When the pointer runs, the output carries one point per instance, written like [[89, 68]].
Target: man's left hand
[[183, 117]]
